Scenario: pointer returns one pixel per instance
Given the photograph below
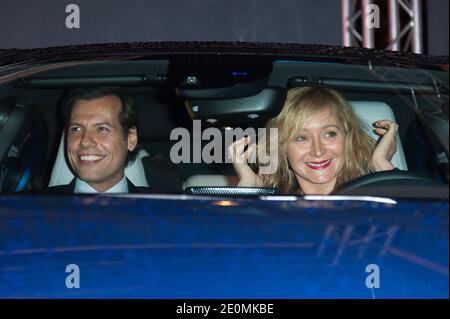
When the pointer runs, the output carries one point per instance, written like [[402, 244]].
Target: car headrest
[[211, 180], [61, 174], [371, 111], [17, 137]]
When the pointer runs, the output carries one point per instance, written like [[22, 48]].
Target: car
[[384, 235]]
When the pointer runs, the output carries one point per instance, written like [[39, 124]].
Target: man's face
[[96, 146], [317, 154]]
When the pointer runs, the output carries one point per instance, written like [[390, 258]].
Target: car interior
[[222, 93]]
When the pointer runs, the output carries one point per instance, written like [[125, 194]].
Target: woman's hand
[[239, 157], [386, 147]]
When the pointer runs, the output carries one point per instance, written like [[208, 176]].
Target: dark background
[[41, 23]]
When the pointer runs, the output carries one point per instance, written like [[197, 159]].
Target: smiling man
[[101, 138]]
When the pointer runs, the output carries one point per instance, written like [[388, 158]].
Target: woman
[[321, 145]]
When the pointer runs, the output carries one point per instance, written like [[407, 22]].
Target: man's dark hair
[[128, 116]]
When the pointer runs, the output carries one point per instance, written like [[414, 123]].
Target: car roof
[[270, 50]]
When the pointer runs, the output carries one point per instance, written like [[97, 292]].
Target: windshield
[[191, 110]]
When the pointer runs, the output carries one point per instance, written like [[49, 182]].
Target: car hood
[[178, 246]]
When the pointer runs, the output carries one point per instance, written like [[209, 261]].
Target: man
[[101, 134]]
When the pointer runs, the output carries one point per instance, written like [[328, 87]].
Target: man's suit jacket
[[69, 189]]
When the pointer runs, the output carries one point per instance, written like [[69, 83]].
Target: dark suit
[[69, 189]]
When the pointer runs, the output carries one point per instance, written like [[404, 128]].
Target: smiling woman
[[321, 144]]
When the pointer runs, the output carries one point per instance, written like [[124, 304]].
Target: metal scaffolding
[[350, 36], [363, 34]]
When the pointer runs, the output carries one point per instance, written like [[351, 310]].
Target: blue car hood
[[178, 246]]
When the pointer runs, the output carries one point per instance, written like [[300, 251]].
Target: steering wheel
[[387, 183]]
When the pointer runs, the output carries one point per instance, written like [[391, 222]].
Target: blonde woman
[[321, 145]]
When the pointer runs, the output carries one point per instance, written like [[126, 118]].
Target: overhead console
[[227, 91], [219, 77], [259, 107]]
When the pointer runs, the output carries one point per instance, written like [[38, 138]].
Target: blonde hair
[[301, 105]]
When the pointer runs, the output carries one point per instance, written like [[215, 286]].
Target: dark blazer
[[69, 189]]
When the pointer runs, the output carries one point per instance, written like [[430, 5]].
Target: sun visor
[[262, 106]]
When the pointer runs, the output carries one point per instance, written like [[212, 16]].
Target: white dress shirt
[[81, 187]]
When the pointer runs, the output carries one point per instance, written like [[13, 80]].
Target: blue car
[[197, 234]]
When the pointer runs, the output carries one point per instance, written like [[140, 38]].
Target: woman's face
[[316, 154]]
